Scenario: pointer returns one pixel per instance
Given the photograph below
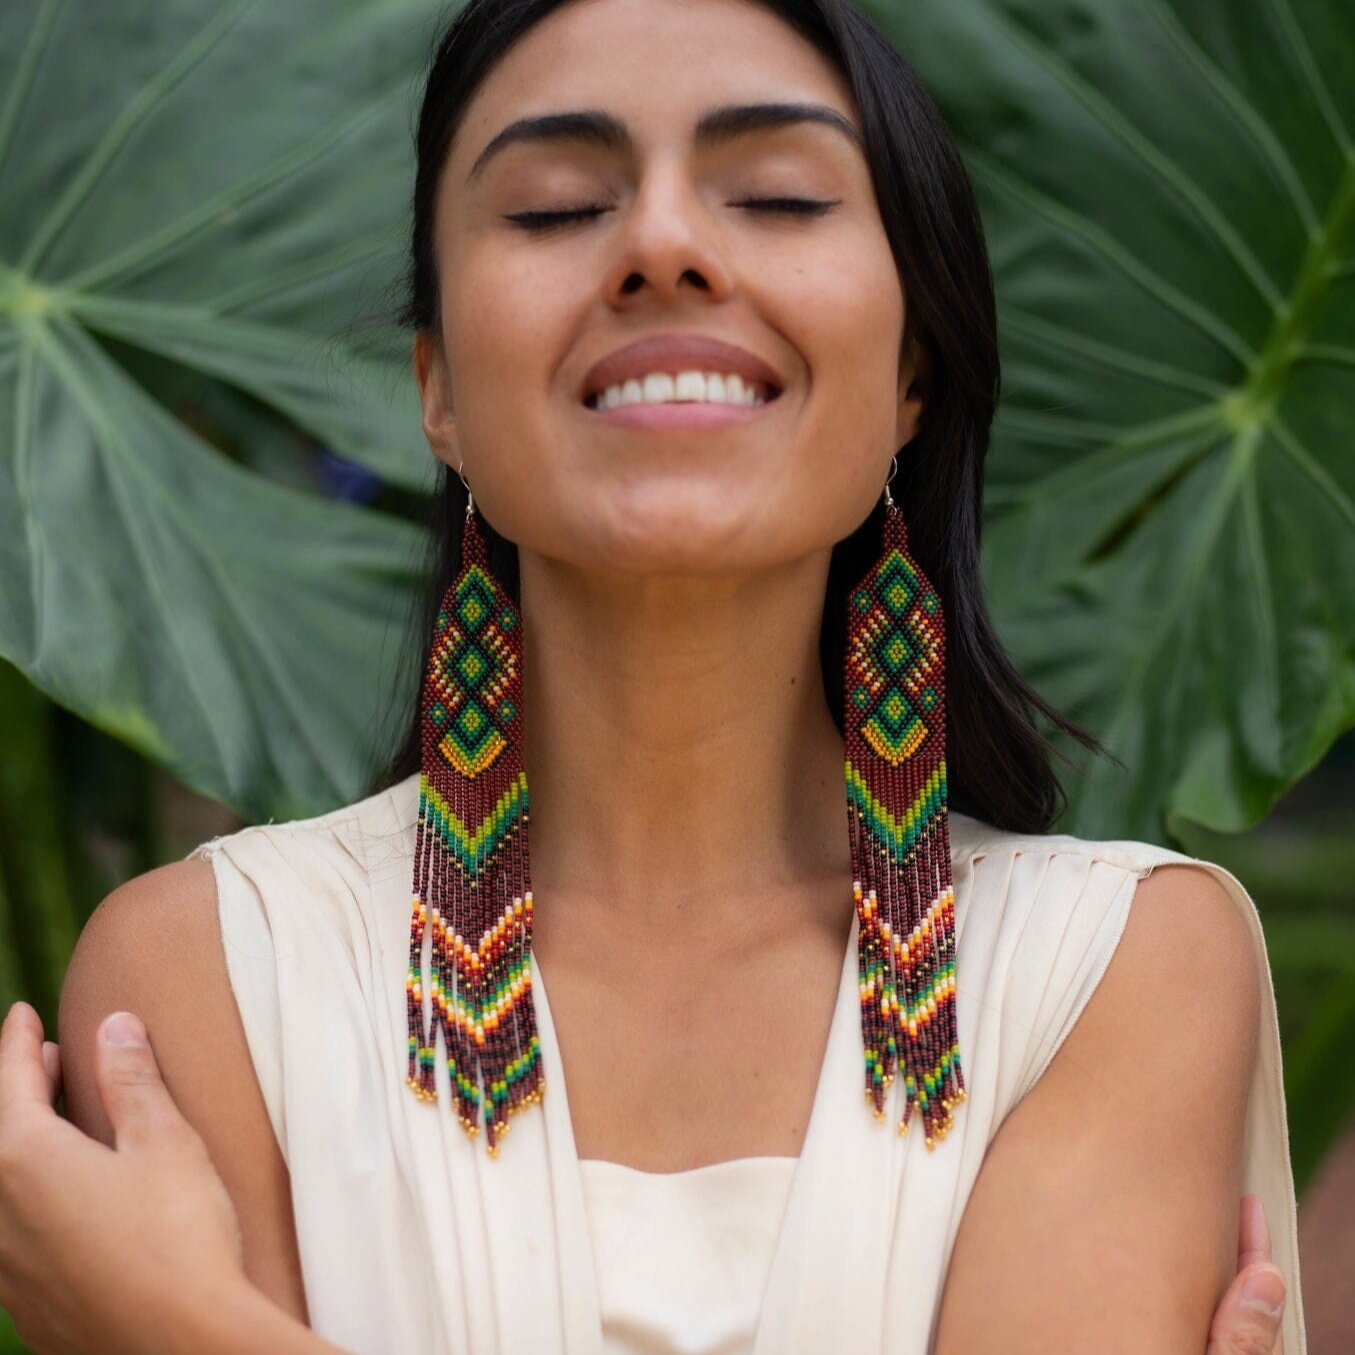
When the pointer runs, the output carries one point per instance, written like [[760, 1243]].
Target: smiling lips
[[689, 361]]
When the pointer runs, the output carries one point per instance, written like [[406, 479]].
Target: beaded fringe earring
[[471, 868], [471, 864], [894, 716]]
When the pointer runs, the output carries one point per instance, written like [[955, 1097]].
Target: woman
[[692, 286]]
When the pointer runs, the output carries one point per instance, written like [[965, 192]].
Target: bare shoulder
[[1105, 1210], [153, 946]]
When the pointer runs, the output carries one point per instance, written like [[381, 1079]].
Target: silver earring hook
[[470, 498], [893, 471]]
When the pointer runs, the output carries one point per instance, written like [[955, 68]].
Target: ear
[[435, 394], [914, 383]]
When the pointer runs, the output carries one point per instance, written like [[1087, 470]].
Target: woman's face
[[672, 250]]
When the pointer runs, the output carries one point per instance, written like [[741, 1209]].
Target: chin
[[663, 531]]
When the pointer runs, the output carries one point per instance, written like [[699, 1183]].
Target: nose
[[668, 242]]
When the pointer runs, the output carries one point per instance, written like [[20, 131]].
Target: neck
[[679, 749]]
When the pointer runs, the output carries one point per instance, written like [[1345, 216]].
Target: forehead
[[657, 64]]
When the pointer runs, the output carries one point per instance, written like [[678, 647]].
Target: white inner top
[[683, 1257]]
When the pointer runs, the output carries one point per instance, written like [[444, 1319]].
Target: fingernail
[[1264, 1290], [124, 1028]]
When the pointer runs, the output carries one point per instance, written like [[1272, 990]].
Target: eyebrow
[[717, 126]]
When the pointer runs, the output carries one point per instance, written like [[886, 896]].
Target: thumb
[[1248, 1319], [135, 1098]]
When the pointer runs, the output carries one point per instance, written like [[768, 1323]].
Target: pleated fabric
[[413, 1239]]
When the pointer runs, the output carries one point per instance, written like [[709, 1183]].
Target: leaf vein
[[1303, 54], [1311, 466], [23, 76], [1247, 115], [141, 105], [1165, 169], [150, 248], [1091, 233]]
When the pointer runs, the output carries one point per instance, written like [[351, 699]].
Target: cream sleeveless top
[[412, 1238]]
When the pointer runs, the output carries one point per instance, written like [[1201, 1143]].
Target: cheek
[[499, 319], [849, 325], [845, 308], [500, 330]]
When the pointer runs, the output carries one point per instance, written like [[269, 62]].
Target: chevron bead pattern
[[895, 724], [471, 872]]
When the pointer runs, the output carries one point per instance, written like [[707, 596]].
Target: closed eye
[[793, 206]]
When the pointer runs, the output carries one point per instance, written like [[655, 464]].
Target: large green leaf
[[1168, 188], [223, 186], [1169, 195]]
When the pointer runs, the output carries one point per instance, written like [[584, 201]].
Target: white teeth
[[658, 388], [663, 388]]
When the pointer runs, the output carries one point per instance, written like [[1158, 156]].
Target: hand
[[100, 1247], [1240, 1326]]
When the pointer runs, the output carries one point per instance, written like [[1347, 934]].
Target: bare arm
[[154, 947], [241, 1322], [1104, 1215]]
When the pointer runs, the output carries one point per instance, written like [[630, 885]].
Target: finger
[[1248, 1320], [51, 1066], [1253, 1235], [23, 1083], [135, 1098]]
